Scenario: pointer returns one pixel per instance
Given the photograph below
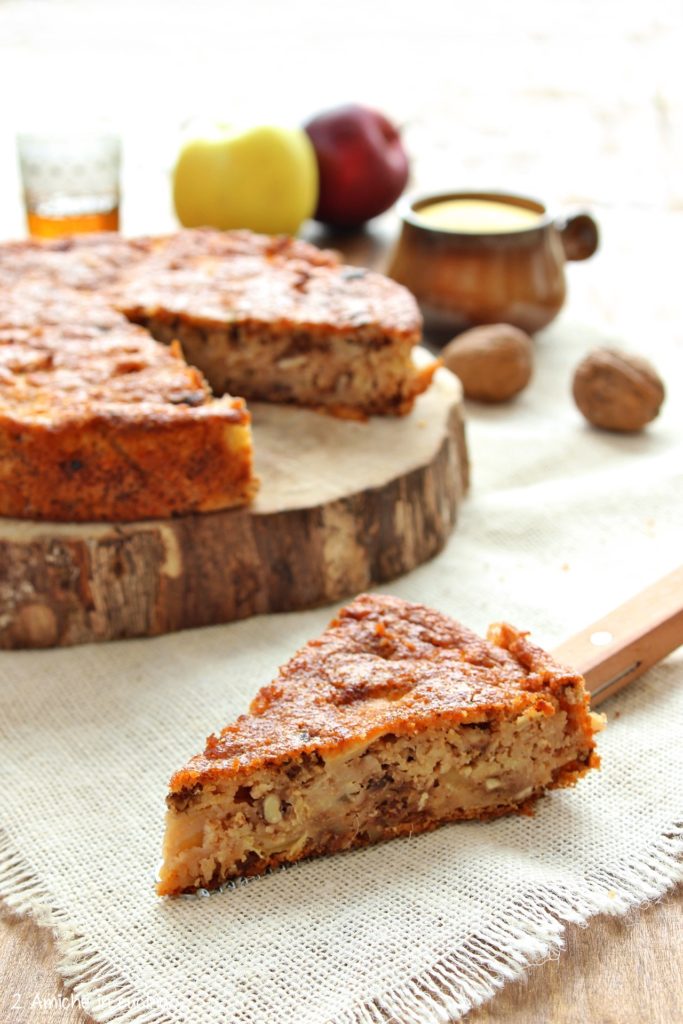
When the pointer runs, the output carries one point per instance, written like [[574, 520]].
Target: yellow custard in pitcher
[[478, 216]]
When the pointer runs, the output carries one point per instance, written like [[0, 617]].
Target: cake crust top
[[213, 277], [385, 665], [63, 374]]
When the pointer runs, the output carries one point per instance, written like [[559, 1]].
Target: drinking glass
[[70, 183]]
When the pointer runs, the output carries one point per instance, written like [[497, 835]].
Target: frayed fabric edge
[[500, 952], [97, 987], [504, 950]]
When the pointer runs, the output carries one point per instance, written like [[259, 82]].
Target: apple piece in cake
[[396, 720]]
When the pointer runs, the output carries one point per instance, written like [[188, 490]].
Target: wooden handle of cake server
[[618, 648]]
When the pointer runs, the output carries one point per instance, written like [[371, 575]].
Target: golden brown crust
[[283, 292], [213, 278], [385, 665], [89, 263], [98, 421]]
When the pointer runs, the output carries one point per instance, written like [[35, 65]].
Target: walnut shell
[[617, 391], [493, 362]]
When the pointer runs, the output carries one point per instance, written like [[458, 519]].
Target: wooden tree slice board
[[342, 505]]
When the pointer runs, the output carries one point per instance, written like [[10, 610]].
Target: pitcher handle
[[580, 235]]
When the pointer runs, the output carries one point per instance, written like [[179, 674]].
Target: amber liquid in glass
[[41, 226]]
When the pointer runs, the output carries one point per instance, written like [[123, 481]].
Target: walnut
[[617, 391], [493, 362]]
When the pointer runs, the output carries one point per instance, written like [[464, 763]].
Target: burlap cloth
[[562, 524]]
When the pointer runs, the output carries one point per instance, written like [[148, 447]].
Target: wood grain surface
[[580, 103], [342, 506]]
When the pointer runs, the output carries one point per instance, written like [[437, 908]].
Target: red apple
[[362, 164]]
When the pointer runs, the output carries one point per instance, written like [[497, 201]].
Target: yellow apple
[[263, 178]]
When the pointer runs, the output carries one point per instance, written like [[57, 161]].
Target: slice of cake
[[396, 720]]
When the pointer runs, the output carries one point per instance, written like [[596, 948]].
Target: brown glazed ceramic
[[462, 279]]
